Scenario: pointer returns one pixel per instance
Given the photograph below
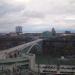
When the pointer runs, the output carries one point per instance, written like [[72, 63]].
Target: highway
[[18, 48]]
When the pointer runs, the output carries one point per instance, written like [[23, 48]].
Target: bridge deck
[[18, 48]]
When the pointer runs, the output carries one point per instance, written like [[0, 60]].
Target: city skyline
[[37, 15]]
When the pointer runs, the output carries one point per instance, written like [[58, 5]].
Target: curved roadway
[[18, 48]]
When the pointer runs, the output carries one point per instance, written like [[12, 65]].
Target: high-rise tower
[[18, 29]]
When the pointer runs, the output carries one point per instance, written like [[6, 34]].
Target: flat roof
[[41, 59], [13, 60]]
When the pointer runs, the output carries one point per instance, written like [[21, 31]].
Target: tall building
[[67, 32], [53, 32], [18, 29]]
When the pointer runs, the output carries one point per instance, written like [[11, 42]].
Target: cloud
[[37, 15]]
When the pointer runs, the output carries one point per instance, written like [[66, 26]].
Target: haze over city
[[37, 37], [37, 15]]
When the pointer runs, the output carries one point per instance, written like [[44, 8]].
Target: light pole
[[38, 64], [58, 66]]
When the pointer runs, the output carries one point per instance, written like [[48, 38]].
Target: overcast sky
[[37, 15]]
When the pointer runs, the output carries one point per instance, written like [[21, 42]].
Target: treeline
[[9, 42], [61, 46]]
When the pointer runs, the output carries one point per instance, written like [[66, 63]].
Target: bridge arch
[[37, 46]]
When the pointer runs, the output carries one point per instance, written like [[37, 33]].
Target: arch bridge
[[24, 48]]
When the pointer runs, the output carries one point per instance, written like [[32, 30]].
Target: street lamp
[[58, 66], [38, 63]]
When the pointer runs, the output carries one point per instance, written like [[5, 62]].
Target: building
[[49, 66], [36, 62], [14, 66], [47, 35], [53, 32], [18, 29], [67, 32], [12, 34]]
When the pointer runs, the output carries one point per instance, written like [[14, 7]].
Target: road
[[18, 48]]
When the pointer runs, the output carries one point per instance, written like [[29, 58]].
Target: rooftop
[[41, 59], [13, 60]]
